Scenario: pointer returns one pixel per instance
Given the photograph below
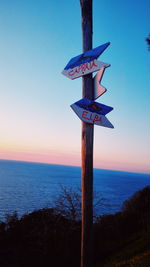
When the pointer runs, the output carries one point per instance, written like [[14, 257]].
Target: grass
[[136, 253]]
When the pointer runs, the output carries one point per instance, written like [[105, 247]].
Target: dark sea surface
[[25, 186]]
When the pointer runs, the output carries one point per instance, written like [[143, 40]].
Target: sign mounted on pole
[[84, 69], [92, 112], [85, 63], [98, 88]]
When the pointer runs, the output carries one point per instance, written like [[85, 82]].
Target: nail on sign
[[85, 63]]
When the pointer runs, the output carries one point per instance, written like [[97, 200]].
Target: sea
[[26, 186]]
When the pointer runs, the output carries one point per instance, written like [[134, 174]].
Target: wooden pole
[[87, 147]]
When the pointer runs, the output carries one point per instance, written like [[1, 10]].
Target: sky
[[37, 39]]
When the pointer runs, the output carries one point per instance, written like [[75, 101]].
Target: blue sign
[[93, 106], [92, 112], [87, 56]]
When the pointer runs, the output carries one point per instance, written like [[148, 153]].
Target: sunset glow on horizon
[[70, 159]]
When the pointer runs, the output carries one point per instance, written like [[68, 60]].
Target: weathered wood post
[[87, 147], [90, 112]]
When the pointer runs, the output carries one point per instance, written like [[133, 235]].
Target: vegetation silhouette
[[46, 238], [68, 203], [148, 42]]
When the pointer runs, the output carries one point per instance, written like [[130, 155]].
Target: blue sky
[[38, 38]]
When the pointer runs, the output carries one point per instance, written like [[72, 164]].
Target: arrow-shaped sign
[[98, 88], [84, 69], [93, 106], [84, 63], [92, 112]]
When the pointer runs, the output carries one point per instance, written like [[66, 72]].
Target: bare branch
[[68, 203]]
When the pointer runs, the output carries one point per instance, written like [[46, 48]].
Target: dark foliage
[[40, 239], [137, 208], [45, 238], [148, 42], [113, 232]]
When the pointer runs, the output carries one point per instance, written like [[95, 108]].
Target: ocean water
[[25, 186]]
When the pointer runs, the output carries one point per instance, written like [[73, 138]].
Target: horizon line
[[69, 165]]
